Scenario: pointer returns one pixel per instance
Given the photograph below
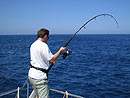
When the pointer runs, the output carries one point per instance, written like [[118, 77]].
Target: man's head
[[43, 34]]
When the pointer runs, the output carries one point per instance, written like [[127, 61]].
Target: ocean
[[99, 66]]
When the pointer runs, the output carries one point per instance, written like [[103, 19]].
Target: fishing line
[[68, 52]]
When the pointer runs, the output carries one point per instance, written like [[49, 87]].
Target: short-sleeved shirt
[[40, 56]]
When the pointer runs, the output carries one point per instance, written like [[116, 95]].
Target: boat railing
[[26, 84], [17, 90]]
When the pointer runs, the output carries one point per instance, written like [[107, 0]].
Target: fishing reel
[[66, 53]]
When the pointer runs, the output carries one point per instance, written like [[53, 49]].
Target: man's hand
[[62, 49]]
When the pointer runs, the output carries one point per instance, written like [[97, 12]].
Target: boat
[[33, 95]]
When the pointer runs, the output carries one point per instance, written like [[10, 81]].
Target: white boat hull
[[32, 94]]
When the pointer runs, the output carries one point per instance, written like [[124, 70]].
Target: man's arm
[[56, 55]]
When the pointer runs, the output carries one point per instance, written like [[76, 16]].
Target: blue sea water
[[99, 66]]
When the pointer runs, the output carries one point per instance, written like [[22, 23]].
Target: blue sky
[[63, 16]]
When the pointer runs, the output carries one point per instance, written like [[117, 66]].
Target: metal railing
[[27, 84], [17, 90]]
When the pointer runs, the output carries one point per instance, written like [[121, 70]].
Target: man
[[41, 56]]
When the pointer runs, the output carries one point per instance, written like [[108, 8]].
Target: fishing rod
[[87, 23], [83, 26]]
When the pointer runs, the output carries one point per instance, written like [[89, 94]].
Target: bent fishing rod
[[83, 26]]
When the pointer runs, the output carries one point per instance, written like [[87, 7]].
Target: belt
[[41, 69]]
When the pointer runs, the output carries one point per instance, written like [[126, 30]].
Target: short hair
[[42, 32]]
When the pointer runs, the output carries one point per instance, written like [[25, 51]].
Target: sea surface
[[99, 66]]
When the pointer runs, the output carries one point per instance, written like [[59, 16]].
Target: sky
[[63, 16]]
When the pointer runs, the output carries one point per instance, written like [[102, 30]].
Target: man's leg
[[40, 87]]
